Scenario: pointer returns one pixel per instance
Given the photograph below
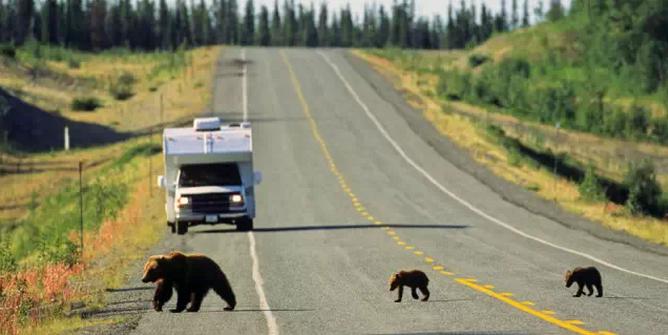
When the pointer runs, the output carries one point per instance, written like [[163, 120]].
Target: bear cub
[[192, 276], [414, 279], [589, 277]]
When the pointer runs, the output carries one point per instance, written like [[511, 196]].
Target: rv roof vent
[[206, 124], [235, 125]]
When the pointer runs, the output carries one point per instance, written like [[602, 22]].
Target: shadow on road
[[331, 227], [465, 332], [126, 289]]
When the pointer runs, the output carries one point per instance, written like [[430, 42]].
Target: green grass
[[48, 233]]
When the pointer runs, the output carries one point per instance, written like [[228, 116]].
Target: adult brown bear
[[589, 277], [191, 275], [414, 279]]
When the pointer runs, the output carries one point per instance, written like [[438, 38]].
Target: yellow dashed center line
[[525, 306]]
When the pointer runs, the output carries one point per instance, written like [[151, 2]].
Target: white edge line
[[443, 189], [272, 327]]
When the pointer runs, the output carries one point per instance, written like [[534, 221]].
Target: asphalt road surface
[[351, 193]]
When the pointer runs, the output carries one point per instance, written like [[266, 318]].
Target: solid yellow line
[[543, 315], [524, 308], [528, 303], [548, 312]]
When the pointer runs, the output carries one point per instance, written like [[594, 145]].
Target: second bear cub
[[414, 279], [589, 277]]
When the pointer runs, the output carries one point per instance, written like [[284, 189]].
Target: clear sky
[[423, 7]]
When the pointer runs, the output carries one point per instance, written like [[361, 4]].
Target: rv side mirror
[[161, 181], [257, 177]]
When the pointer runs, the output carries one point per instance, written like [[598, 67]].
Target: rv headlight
[[183, 201], [236, 199]]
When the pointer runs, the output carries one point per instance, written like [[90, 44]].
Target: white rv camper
[[209, 175]]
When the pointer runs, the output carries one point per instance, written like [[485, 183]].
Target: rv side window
[[209, 175]]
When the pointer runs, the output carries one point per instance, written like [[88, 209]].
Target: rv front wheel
[[245, 224], [181, 227]]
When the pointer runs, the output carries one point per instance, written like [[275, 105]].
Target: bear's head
[[154, 269], [394, 281], [568, 278]]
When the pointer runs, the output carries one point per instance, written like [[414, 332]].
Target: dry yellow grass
[[185, 95], [466, 134]]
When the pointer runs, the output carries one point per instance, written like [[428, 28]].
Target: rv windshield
[[209, 175]]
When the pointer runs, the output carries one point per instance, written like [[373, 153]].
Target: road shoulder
[[461, 159]]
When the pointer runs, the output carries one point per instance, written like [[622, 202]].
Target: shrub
[[590, 188], [476, 60], [7, 260], [127, 78], [638, 122], [122, 88], [86, 104], [644, 190], [73, 63], [8, 51], [121, 91]]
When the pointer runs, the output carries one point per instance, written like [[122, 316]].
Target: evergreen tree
[[24, 19], [276, 26], [311, 38], [232, 22], [264, 35], [49, 32], [556, 11], [248, 33], [164, 26], [514, 15], [383, 36], [539, 11], [323, 34], [289, 24], [502, 19], [97, 28], [525, 14], [346, 27]]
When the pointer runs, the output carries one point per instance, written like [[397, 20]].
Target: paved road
[[340, 209]]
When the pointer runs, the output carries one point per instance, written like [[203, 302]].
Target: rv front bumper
[[210, 218]]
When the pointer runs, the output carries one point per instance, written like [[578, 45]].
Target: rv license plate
[[211, 218]]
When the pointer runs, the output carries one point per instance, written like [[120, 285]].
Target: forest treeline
[[157, 25]]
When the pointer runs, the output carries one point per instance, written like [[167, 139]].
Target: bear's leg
[[163, 293], [401, 293], [414, 293], [182, 300], [223, 289], [425, 292], [196, 301], [580, 290], [599, 288], [590, 288]]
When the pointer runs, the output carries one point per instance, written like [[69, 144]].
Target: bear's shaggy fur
[[414, 279], [191, 275], [589, 277]]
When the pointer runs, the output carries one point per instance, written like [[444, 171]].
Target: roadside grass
[[121, 221], [123, 217], [30, 178], [46, 79], [466, 124]]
